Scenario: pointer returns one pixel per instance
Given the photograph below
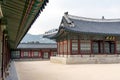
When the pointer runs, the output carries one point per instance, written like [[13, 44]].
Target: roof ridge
[[71, 24], [67, 18], [37, 43], [93, 19]]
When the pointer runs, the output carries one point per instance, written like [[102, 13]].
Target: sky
[[51, 16]]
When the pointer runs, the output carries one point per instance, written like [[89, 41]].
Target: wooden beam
[[6, 7], [17, 4]]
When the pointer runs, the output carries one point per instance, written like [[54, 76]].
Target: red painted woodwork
[[78, 46], [22, 53], [67, 47], [5, 54], [39, 53], [115, 47], [32, 53], [91, 52], [62, 48], [29, 55], [103, 46], [70, 47], [49, 54], [59, 48], [2, 67]]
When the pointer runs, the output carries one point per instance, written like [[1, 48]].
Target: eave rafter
[[18, 17], [32, 10]]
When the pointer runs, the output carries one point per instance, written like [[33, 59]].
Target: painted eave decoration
[[18, 16]]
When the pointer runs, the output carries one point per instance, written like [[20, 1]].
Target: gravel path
[[44, 70]]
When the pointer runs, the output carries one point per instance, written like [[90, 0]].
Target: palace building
[[87, 40], [34, 51]]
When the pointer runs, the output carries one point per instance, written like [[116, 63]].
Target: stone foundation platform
[[86, 59]]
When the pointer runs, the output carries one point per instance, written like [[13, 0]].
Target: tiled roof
[[89, 25], [37, 46], [49, 35]]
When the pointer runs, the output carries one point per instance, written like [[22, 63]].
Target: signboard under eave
[[110, 38]]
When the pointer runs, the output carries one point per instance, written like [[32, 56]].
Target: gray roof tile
[[88, 25], [37, 46]]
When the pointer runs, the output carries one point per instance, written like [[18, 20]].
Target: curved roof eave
[[92, 33], [58, 33], [19, 16]]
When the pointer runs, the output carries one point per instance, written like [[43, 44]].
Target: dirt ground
[[44, 70]]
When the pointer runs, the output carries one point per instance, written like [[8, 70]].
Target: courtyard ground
[[44, 70]]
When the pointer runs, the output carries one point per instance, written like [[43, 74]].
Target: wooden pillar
[[6, 53], [32, 52], [70, 47], [3, 46], [39, 54], [115, 47], [78, 46], [81, 51], [29, 53], [91, 52], [20, 53], [63, 48], [67, 46], [103, 47], [42, 54], [50, 54], [99, 47], [59, 48]]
